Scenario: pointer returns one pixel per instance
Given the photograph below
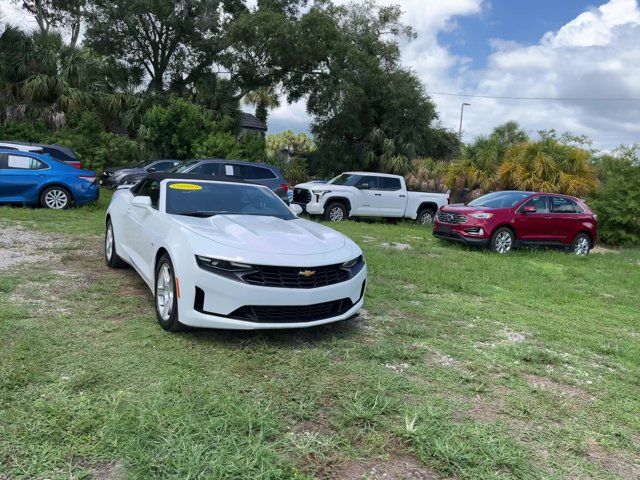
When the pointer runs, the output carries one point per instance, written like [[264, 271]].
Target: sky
[[572, 49]]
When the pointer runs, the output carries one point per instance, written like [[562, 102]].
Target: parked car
[[505, 220], [229, 254], [38, 179], [366, 194], [63, 154], [260, 173], [116, 176]]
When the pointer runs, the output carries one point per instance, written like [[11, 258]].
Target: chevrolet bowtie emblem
[[307, 273]]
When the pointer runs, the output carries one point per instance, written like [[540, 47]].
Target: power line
[[562, 99]]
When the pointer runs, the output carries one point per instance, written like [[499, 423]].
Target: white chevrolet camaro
[[223, 254]]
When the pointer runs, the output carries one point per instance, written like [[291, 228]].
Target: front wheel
[[502, 240], [110, 254], [165, 294], [335, 212], [581, 245]]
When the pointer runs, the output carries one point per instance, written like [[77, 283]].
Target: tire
[[165, 297], [581, 245], [55, 198], [503, 240], [111, 256], [336, 212], [425, 217]]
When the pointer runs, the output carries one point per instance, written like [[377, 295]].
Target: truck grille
[[301, 196], [451, 218], [297, 277], [293, 313]]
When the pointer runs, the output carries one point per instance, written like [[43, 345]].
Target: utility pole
[[461, 114]]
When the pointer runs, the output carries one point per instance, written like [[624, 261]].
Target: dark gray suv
[[260, 173]]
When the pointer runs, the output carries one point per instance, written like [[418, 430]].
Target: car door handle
[[402, 196], [548, 218], [378, 194]]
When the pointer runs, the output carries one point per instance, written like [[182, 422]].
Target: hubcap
[[582, 246], [336, 214], [56, 199], [503, 242], [426, 218], [164, 292], [108, 242]]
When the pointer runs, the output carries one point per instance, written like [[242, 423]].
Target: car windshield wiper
[[198, 213]]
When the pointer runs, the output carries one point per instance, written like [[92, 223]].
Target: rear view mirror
[[295, 208], [141, 201], [151, 170], [529, 209], [364, 186]]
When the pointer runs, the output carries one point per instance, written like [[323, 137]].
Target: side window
[[258, 173], [207, 169], [389, 183], [149, 188], [234, 171], [369, 180], [3, 160], [163, 166], [562, 205], [22, 162], [539, 202]]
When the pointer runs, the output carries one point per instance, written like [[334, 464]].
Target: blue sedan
[[38, 179]]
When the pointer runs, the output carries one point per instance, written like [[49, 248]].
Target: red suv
[[504, 220]]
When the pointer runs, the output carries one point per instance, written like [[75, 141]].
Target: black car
[[113, 177], [261, 173], [57, 152]]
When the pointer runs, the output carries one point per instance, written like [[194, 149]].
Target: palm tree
[[265, 99], [476, 169], [548, 166]]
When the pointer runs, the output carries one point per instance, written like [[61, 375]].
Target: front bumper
[[209, 300], [458, 233], [312, 208]]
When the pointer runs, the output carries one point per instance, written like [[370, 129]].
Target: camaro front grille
[[452, 218], [296, 277], [293, 313], [301, 196]]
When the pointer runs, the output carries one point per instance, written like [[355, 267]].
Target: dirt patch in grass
[[621, 465], [19, 245], [393, 469], [576, 395]]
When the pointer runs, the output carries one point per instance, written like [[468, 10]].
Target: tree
[[290, 143], [477, 166], [549, 166], [264, 99], [57, 13], [509, 134]]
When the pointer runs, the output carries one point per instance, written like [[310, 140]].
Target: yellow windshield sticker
[[185, 186]]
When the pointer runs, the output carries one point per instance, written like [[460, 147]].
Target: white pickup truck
[[366, 194]]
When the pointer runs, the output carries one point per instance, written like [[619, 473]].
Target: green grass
[[465, 364]]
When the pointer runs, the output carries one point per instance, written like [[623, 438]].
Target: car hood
[[325, 186], [265, 234], [462, 208]]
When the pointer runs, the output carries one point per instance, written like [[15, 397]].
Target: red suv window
[[564, 205]]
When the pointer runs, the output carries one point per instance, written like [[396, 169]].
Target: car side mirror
[[364, 186], [151, 170], [296, 209], [529, 209], [141, 201]]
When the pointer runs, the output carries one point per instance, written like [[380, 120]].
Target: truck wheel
[[425, 216], [335, 212]]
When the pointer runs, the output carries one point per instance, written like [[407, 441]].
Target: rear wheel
[[335, 212], [502, 240], [425, 217], [165, 294], [110, 254], [581, 245], [55, 198]]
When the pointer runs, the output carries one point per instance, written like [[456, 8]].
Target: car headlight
[[484, 215], [215, 264], [352, 263], [320, 193]]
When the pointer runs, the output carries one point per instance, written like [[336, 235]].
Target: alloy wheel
[[108, 242], [582, 246], [336, 214], [56, 199], [164, 292], [504, 242], [426, 218]]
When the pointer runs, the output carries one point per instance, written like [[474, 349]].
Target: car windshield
[[499, 200], [183, 167], [348, 179], [206, 199]]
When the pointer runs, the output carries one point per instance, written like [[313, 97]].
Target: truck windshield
[[348, 179]]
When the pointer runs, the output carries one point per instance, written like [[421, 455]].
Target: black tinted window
[[257, 173], [212, 169], [149, 188], [540, 203], [389, 183], [563, 205], [163, 166], [368, 180]]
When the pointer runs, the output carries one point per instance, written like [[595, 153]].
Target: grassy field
[[464, 364]]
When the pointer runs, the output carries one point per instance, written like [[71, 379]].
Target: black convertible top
[[160, 176]]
